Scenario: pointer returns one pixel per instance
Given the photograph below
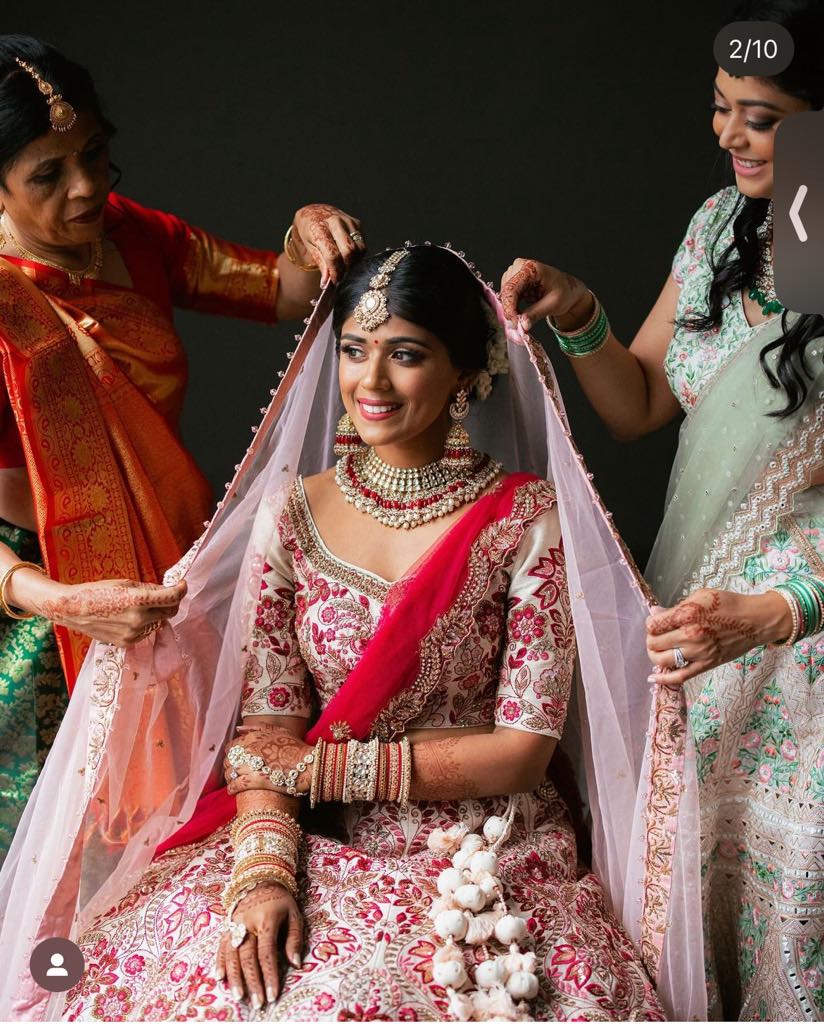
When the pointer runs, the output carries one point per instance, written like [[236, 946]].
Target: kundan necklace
[[408, 497], [92, 269], [763, 289]]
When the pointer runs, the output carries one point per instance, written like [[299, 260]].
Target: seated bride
[[388, 844]]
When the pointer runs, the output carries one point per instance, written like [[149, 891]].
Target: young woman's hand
[[712, 627], [544, 291], [270, 916]]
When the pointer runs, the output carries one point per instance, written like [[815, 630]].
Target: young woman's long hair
[[736, 267]]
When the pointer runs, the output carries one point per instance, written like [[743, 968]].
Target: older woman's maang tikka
[[372, 310], [62, 115]]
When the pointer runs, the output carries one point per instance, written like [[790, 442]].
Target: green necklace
[[763, 289]]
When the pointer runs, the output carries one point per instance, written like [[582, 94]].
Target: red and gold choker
[[404, 497]]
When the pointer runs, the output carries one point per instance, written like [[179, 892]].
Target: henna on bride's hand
[[263, 894], [436, 767], [279, 748]]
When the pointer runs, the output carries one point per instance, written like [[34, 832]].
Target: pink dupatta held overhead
[[137, 763]]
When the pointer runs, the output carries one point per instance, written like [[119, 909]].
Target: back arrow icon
[[800, 230]]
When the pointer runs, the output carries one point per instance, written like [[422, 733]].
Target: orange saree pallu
[[116, 494]]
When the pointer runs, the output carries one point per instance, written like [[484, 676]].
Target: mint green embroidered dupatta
[[738, 470]]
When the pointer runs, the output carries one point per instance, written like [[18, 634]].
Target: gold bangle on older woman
[[7, 575], [287, 248]]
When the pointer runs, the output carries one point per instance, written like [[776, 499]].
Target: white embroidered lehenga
[[273, 623]]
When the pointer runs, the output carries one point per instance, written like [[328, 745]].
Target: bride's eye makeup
[[408, 356]]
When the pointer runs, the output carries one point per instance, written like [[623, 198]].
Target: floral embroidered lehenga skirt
[[368, 940], [33, 697], [758, 727]]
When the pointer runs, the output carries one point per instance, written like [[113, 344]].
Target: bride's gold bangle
[[287, 248], [7, 575]]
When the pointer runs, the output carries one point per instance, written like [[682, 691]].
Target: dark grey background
[[577, 133]]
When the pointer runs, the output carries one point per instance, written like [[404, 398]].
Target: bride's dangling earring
[[458, 452], [347, 439]]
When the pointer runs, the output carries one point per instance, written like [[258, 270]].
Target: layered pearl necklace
[[408, 497]]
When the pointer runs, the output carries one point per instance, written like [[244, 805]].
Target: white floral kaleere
[[471, 908]]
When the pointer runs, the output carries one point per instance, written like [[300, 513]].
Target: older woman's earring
[[347, 439], [458, 451]]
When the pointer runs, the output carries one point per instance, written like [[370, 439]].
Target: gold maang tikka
[[61, 114], [372, 310]]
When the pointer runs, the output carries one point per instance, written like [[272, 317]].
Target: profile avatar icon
[[56, 964], [57, 970]]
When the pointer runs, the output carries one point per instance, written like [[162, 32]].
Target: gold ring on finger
[[356, 236]]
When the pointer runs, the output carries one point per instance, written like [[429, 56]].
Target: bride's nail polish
[[270, 994], [237, 992], [257, 1002]]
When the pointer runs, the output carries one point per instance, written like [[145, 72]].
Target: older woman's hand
[[712, 627], [120, 612], [278, 748], [544, 291], [330, 237]]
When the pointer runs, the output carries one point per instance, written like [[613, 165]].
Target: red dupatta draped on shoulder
[[390, 664]]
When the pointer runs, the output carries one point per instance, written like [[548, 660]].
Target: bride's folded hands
[[459, 763]]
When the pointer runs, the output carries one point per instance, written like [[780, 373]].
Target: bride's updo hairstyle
[[433, 289]]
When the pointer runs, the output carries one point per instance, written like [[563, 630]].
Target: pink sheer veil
[[145, 728]]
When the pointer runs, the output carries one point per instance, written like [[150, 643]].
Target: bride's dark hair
[[432, 288], [735, 268]]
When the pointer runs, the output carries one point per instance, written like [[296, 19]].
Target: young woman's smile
[[396, 384]]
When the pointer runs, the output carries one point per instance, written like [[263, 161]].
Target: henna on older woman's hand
[[106, 601]]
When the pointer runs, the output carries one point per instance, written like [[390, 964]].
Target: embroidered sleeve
[[214, 276], [275, 677], [701, 234], [539, 643]]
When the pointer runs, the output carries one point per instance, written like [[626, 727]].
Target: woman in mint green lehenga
[[744, 515]]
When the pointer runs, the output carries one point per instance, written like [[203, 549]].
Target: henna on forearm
[[99, 603], [492, 764]]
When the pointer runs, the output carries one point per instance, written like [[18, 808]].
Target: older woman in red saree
[[95, 482], [391, 641]]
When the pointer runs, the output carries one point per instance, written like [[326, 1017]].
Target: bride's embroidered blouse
[[503, 654]]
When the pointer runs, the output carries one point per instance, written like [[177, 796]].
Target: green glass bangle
[[813, 608], [808, 595], [805, 602], [589, 341]]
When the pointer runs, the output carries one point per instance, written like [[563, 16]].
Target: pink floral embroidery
[[134, 965]]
